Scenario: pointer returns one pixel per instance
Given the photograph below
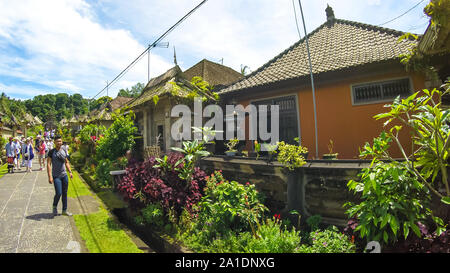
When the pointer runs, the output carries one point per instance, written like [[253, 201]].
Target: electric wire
[[121, 74], [296, 20], [402, 14]]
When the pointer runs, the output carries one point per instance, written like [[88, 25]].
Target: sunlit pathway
[[26, 220]]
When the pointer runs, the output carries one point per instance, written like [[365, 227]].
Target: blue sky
[[75, 46]]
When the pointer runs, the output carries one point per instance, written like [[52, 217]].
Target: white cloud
[[64, 47]]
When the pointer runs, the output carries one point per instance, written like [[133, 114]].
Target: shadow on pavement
[[40, 216]]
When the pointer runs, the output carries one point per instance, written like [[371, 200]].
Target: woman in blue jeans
[[57, 164]]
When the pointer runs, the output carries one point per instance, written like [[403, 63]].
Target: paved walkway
[[27, 223]]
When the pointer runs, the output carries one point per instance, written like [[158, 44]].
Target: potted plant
[[305, 151], [231, 147], [291, 155], [257, 149], [271, 150], [207, 134], [330, 155]]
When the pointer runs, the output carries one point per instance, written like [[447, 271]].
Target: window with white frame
[[380, 91]]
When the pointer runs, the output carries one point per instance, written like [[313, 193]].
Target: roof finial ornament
[[174, 56], [330, 14]]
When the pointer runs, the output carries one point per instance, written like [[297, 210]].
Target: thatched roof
[[164, 85], [105, 110]]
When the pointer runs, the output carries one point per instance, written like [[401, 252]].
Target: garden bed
[[159, 241]]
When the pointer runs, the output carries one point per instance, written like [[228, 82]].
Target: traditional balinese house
[[64, 122], [215, 74], [153, 106], [356, 70], [77, 122], [103, 115], [27, 122]]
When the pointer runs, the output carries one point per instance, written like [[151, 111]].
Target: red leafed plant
[[149, 182]]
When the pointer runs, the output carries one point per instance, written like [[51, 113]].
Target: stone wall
[[319, 187]]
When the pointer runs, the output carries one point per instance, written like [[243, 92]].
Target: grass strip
[[3, 170], [100, 232], [77, 187], [104, 235]]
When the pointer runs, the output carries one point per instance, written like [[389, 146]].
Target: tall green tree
[[134, 92]]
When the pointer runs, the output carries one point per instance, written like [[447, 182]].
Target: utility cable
[[149, 47], [296, 21], [402, 14]]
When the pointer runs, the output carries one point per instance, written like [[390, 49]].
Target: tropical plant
[[273, 238], [192, 151], [393, 199], [429, 123], [227, 207]]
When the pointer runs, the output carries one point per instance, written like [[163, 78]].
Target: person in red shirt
[[41, 148]]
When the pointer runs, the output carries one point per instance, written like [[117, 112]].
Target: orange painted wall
[[349, 126]]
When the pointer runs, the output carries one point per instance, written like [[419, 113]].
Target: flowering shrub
[[328, 241], [89, 131], [144, 184]]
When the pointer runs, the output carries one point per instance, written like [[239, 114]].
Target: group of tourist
[[24, 148]]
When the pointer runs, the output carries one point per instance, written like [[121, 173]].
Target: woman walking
[[29, 155], [41, 149]]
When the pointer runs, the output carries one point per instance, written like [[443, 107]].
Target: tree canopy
[[134, 92]]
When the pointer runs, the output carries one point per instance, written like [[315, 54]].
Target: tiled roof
[[333, 46]]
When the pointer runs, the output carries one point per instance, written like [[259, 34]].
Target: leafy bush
[[118, 138], [429, 123], [291, 156], [272, 238], [227, 207], [102, 171], [328, 241], [314, 221], [393, 199], [153, 214]]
